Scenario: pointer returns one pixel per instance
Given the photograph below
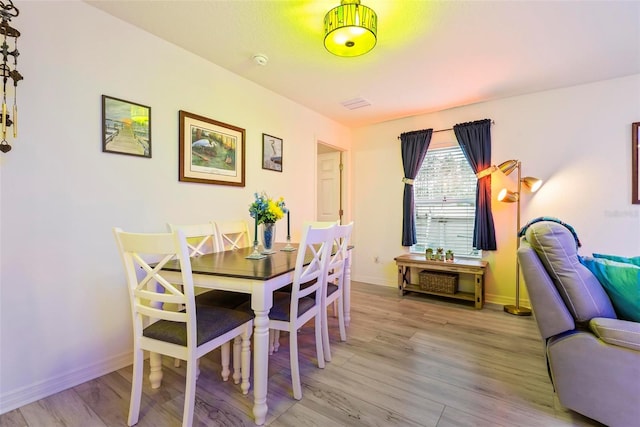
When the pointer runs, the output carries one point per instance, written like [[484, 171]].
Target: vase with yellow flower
[[266, 211]]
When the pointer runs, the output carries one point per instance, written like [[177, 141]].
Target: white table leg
[[261, 302], [155, 374]]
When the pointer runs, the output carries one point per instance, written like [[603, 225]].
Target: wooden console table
[[476, 268]]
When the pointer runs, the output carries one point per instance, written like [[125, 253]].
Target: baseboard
[[373, 281], [502, 300], [14, 399]]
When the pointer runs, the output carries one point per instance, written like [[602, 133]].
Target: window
[[445, 202]]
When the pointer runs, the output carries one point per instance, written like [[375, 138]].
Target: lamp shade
[[507, 196], [531, 183], [508, 166], [350, 29], [505, 167]]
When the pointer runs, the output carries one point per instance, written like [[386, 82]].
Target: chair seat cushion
[[331, 288], [305, 285], [282, 306], [211, 323], [617, 332], [218, 298]]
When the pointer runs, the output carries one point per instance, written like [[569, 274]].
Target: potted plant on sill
[[449, 255], [429, 254]]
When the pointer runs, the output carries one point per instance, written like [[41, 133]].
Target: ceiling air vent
[[355, 103]]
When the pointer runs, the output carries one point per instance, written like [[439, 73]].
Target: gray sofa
[[593, 357]]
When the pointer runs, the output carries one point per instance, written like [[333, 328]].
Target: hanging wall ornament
[[9, 71]]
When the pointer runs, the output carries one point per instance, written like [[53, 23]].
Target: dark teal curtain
[[414, 148], [475, 140]]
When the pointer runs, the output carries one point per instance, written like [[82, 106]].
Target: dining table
[[232, 271]]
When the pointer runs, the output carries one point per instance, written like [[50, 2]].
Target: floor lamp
[[530, 183]]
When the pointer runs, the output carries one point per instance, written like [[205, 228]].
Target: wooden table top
[[234, 263]]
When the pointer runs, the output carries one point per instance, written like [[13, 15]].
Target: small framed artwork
[[126, 127], [211, 152], [635, 163], [271, 153]]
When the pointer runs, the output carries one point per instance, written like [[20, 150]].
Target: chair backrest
[[232, 234], [201, 238], [581, 291], [335, 269], [151, 295], [316, 243]]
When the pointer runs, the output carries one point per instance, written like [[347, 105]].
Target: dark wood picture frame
[[635, 163], [211, 152], [271, 153], [126, 127]]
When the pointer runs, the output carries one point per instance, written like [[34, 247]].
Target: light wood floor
[[412, 361]]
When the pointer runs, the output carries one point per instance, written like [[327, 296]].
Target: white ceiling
[[430, 55]]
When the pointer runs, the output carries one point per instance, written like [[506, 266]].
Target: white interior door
[[329, 186]]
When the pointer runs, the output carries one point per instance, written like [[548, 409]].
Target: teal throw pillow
[[634, 260], [621, 281]]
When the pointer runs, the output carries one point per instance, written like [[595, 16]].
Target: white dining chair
[[203, 239], [291, 310], [274, 334], [187, 334], [334, 286], [232, 234]]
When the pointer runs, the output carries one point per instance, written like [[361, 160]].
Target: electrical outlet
[[376, 259]]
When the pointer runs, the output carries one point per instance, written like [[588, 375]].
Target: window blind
[[444, 196]]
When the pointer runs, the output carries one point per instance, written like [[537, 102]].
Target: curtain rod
[[445, 130], [439, 130]]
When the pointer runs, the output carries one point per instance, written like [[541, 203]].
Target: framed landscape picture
[[211, 152], [271, 153], [635, 163], [126, 127]]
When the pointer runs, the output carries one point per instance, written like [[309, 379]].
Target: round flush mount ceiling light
[[350, 29], [260, 59]]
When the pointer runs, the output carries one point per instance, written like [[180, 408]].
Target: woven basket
[[438, 282]]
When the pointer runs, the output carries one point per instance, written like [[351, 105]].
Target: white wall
[[64, 308], [577, 139]]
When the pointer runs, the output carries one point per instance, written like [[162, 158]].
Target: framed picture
[[211, 152], [126, 127], [271, 153], [635, 163]]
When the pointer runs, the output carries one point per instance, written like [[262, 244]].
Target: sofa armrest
[[617, 332]]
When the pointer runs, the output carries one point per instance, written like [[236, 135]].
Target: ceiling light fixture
[[350, 29]]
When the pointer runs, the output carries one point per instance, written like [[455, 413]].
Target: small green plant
[[428, 253]]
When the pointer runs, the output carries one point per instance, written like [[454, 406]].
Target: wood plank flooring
[[411, 361]]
